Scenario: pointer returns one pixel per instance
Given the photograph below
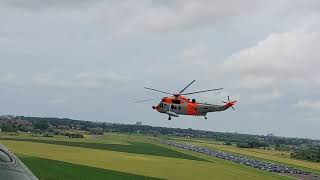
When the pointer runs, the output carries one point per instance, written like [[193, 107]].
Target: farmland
[[121, 156]]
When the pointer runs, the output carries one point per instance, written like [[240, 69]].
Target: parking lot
[[263, 165]]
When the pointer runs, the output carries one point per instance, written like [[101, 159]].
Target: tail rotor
[[230, 103]]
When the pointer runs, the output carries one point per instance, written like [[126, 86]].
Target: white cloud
[[56, 101], [264, 96], [289, 54], [255, 82], [145, 16], [256, 97], [78, 80], [81, 80], [307, 104], [279, 64], [196, 55], [184, 14]]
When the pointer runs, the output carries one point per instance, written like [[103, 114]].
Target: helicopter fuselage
[[181, 105]]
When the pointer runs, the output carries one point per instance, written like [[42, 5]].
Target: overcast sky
[[89, 60]]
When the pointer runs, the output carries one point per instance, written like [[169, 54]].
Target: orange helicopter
[[178, 104]]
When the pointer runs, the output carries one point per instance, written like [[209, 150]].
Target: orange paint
[[192, 108]]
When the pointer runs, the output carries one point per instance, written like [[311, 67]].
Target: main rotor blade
[[157, 90], [145, 100], [202, 91], [187, 86]]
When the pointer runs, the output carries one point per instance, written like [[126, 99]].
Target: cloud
[[281, 60], [261, 97], [307, 104], [310, 109], [126, 17], [164, 16], [56, 101], [281, 54], [276, 65], [77, 80], [39, 4], [81, 80], [196, 55], [9, 79], [255, 82]]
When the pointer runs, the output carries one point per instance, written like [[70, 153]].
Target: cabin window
[[179, 107], [175, 101], [173, 107]]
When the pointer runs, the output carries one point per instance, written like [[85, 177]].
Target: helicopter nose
[[155, 107]]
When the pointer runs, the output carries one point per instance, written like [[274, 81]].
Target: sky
[[90, 60]]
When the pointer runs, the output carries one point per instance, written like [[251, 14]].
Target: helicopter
[[178, 104]]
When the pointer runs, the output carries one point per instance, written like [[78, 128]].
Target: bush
[[253, 144], [47, 135], [96, 131], [243, 145], [74, 135], [228, 143]]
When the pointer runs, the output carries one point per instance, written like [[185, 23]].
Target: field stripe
[[52, 169], [133, 147]]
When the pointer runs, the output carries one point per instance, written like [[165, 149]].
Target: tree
[[228, 143], [42, 125]]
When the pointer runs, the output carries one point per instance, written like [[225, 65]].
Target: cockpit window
[[161, 104]]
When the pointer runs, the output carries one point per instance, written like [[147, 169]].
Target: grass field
[[66, 171], [130, 147], [46, 159], [282, 157]]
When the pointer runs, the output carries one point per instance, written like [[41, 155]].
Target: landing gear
[[205, 117], [169, 118]]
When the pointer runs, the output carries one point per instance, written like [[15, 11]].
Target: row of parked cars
[[269, 166]]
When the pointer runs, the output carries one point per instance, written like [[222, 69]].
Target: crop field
[[63, 170], [121, 156], [282, 157]]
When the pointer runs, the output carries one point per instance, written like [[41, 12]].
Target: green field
[[119, 156], [66, 171]]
